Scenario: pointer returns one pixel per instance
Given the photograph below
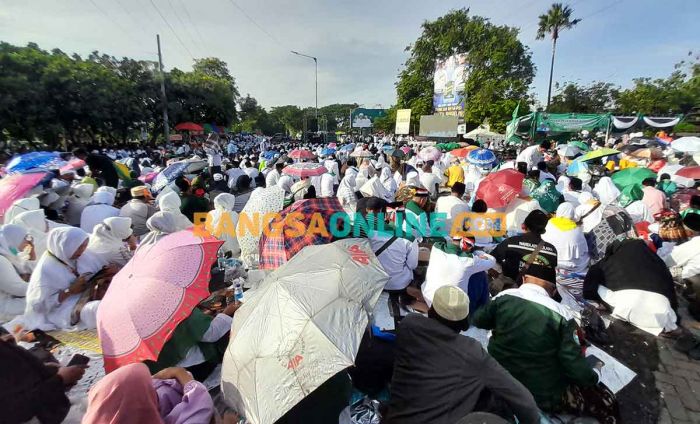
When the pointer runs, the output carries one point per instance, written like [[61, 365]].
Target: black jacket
[[509, 253], [439, 375]]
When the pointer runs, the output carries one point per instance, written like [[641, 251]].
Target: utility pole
[[162, 92], [315, 59]]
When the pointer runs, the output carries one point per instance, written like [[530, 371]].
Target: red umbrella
[[690, 172], [500, 188], [309, 217], [301, 154], [305, 169], [188, 126], [463, 152], [73, 165]]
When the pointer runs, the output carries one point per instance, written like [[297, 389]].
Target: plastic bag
[[364, 411]]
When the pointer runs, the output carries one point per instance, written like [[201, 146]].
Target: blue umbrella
[[270, 154], [482, 157], [34, 161], [327, 151], [576, 167], [169, 174], [348, 147], [387, 147]]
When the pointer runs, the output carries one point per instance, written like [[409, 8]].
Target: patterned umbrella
[[499, 188], [263, 201], [430, 153], [34, 161], [169, 174], [300, 154], [14, 187], [463, 152], [305, 169], [482, 157], [280, 245], [155, 291], [547, 196]]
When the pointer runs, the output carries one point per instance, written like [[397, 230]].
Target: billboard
[[403, 121], [363, 118], [448, 85], [438, 126]]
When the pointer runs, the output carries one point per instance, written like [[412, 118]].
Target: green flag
[[516, 110]]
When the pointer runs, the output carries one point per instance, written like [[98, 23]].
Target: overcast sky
[[359, 44]]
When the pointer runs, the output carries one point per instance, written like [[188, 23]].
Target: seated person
[[139, 209], [568, 239], [111, 243], [56, 286], [130, 395], [192, 198], [686, 257], [32, 388], [170, 202], [533, 338], [636, 284], [198, 342], [453, 205], [440, 375], [160, 225], [510, 252], [16, 252], [452, 263]]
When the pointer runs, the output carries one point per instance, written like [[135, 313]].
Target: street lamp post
[[316, 65]]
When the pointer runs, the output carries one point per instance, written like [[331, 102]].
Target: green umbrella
[[595, 154], [580, 144], [547, 196], [631, 176], [629, 194]]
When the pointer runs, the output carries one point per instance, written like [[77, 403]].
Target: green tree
[[387, 122], [290, 117], [500, 67], [596, 98], [557, 19]]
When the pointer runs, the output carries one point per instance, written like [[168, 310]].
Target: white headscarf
[[388, 182], [171, 202], [639, 212], [285, 183], [37, 226], [566, 210], [606, 191], [563, 184], [21, 205], [102, 198], [63, 242], [160, 225], [373, 187], [346, 191], [223, 206], [107, 189], [413, 180], [77, 201], [107, 241], [586, 203]]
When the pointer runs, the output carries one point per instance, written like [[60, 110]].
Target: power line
[[273, 38], [172, 29], [189, 17], [116, 23], [194, 43]]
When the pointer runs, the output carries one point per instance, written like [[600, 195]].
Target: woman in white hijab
[[78, 199], [374, 188], [563, 184], [566, 235], [159, 225], [37, 226], [55, 286], [171, 203], [109, 244], [589, 213], [346, 192], [15, 248], [388, 181], [21, 205], [285, 183], [98, 210], [222, 222], [606, 191]]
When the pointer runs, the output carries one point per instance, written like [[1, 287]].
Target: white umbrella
[[686, 144], [301, 327]]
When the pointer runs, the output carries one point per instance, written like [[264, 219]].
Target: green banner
[[571, 122]]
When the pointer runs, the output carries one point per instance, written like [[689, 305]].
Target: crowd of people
[[571, 242]]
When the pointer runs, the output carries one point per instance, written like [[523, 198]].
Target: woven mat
[[85, 339]]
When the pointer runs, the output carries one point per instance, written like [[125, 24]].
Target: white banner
[[624, 122], [661, 122], [403, 121]]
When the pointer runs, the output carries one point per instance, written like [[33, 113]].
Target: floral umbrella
[[301, 154], [430, 153], [304, 169], [257, 212], [154, 292]]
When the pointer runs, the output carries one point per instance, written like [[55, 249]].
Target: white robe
[[171, 202], [107, 246], [222, 222]]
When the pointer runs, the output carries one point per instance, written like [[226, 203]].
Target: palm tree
[[557, 19]]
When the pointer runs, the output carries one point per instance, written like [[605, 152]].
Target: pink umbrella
[[430, 153], [405, 149], [148, 178], [15, 186], [301, 154], [690, 172], [305, 169], [154, 292], [72, 165]]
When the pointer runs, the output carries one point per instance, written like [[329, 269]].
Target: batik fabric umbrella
[[168, 175], [301, 154], [302, 326], [499, 188], [304, 169], [690, 172], [257, 213], [631, 176], [154, 292], [686, 144], [15, 186], [430, 153], [597, 154], [547, 196], [306, 222], [482, 157], [34, 161]]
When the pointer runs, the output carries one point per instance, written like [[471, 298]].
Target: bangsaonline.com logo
[[341, 224]]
